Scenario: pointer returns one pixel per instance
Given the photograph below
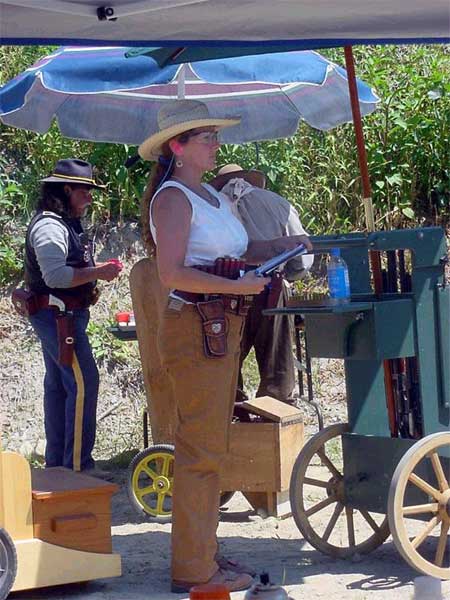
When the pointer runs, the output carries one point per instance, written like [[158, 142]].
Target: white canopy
[[313, 23]]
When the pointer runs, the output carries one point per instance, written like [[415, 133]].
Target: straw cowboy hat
[[233, 171], [177, 117], [73, 170]]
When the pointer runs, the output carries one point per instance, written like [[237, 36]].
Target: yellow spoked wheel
[[419, 505], [150, 482]]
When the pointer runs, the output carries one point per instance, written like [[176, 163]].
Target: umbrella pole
[[370, 221], [357, 123]]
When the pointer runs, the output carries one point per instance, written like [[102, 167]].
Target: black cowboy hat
[[73, 170]]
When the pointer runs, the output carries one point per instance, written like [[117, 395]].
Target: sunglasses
[[207, 138]]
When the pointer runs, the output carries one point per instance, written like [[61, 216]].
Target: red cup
[[209, 591], [122, 317], [116, 262]]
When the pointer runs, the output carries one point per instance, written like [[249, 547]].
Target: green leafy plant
[[406, 140], [105, 347]]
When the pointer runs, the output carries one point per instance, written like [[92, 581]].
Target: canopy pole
[[357, 123], [374, 257]]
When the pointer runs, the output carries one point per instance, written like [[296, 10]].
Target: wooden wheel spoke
[[166, 466], [150, 472], [439, 471], [422, 541], [315, 482], [148, 489], [417, 509], [370, 520], [424, 486], [327, 462], [426, 530], [350, 526], [319, 506], [442, 544], [332, 522], [160, 503]]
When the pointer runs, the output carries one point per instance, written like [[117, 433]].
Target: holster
[[275, 289], [25, 302], [66, 340], [215, 328], [95, 295]]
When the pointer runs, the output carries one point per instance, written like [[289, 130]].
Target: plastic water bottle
[[338, 280]]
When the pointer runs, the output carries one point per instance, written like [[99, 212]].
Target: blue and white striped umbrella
[[97, 94]]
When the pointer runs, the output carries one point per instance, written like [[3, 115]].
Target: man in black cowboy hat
[[61, 276]]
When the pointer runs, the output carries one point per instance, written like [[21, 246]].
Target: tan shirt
[[266, 215]]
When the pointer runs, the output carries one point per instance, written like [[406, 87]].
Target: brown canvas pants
[[272, 338], [149, 303], [204, 389]]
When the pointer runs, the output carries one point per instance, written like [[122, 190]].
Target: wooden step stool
[[60, 525], [262, 454], [72, 510]]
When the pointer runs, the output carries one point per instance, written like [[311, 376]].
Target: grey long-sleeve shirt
[[50, 241]]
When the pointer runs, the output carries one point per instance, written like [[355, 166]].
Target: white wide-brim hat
[[177, 117]]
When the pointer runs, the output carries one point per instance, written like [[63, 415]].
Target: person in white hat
[[188, 224], [266, 215]]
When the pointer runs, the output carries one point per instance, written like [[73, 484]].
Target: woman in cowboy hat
[[188, 224], [59, 265]]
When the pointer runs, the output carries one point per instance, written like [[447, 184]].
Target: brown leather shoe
[[228, 564], [234, 582]]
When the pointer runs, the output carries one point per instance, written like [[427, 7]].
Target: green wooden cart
[[388, 469]]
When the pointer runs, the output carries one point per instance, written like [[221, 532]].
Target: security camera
[[106, 13]]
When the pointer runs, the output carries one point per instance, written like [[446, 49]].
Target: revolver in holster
[[65, 329]]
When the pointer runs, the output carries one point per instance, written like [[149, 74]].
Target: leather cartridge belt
[[236, 305], [70, 302]]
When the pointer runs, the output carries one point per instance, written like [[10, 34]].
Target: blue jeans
[[70, 394]]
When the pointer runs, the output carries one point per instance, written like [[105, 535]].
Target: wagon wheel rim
[[4, 562], [152, 483], [8, 563], [435, 510], [333, 500]]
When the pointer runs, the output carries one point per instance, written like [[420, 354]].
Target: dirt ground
[[266, 544]]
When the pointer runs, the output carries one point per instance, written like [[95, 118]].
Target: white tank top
[[215, 232]]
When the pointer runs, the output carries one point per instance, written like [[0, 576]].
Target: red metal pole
[[370, 223], [357, 122]]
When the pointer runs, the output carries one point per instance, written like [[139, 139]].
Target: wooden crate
[[72, 510], [262, 455]]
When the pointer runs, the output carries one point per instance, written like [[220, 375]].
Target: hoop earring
[[179, 163]]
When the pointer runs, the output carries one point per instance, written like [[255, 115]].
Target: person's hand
[[250, 284], [290, 242], [109, 270], [116, 261]]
